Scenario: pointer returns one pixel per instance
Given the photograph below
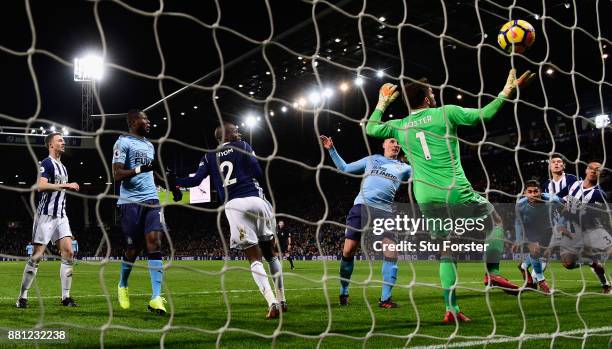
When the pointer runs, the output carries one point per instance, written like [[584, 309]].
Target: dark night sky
[[433, 42]]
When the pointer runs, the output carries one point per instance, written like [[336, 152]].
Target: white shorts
[[567, 245], [48, 228], [251, 220], [597, 239]]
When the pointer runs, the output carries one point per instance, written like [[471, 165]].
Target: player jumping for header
[[383, 175], [234, 168], [428, 136]]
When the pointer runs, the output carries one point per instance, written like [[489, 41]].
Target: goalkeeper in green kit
[[429, 139]]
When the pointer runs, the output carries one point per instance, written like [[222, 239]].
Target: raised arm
[[471, 116], [356, 167], [375, 127], [201, 173]]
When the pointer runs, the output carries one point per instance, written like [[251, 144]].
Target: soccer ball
[[518, 34]]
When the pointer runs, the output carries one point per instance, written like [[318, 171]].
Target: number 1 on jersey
[[421, 137]]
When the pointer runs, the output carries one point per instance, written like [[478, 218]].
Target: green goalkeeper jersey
[[429, 139]]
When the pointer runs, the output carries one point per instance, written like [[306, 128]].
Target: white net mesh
[[287, 73]]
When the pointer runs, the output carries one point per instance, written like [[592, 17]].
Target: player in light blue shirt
[[75, 246], [29, 249], [141, 218], [135, 153], [382, 177], [537, 215]]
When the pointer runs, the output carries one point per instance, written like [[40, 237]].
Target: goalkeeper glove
[[512, 82], [386, 95]]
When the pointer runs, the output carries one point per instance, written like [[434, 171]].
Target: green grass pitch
[[204, 316]]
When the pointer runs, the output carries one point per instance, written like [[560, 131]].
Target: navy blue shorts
[[138, 220], [541, 236], [358, 218]]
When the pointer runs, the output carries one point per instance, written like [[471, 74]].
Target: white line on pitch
[[190, 293], [526, 337]]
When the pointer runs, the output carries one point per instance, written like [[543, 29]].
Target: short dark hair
[[417, 91], [49, 138], [132, 115], [557, 156], [221, 130], [532, 183]]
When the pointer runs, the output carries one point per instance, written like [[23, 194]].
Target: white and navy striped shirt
[[586, 206], [555, 187], [53, 203]]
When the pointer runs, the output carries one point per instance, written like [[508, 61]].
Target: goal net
[[287, 73]]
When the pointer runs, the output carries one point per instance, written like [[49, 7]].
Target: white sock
[[261, 279], [66, 277], [277, 276], [29, 273]]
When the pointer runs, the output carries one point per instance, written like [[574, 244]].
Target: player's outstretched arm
[[188, 182], [471, 116], [356, 167], [375, 127], [177, 194]]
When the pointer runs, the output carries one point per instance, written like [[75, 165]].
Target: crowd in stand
[[195, 233]]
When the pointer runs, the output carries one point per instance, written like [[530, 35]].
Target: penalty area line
[[526, 337]]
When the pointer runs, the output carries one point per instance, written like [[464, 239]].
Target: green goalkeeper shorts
[[476, 207]]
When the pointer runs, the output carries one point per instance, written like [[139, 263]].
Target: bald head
[[228, 132], [593, 171]]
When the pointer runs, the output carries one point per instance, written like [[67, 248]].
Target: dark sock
[[346, 270], [600, 272]]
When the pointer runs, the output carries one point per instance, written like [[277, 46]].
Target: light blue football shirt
[[133, 152], [382, 178], [533, 219]]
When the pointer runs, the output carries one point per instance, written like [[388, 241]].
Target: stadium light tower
[[87, 70]]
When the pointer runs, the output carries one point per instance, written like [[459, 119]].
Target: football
[[517, 35]]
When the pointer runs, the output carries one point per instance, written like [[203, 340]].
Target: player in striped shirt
[[559, 179], [589, 218], [555, 185], [429, 139], [51, 223], [236, 175], [383, 175]]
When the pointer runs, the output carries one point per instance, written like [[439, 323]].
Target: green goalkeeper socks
[[448, 277], [495, 239]]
